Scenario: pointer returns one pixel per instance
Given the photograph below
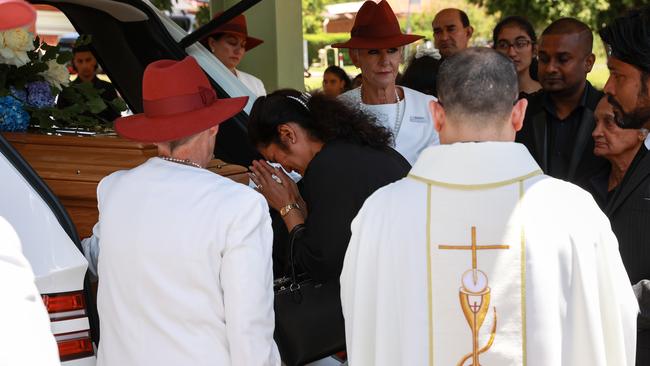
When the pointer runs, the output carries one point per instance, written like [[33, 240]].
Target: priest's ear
[[439, 115], [518, 114]]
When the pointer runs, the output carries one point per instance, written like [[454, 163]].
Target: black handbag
[[308, 316]]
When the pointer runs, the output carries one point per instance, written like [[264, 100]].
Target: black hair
[[342, 75], [420, 75], [324, 118], [517, 20], [628, 39], [357, 81], [572, 26], [479, 84], [206, 41], [464, 19], [527, 27], [83, 47]]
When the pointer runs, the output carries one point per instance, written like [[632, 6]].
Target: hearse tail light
[[64, 307]]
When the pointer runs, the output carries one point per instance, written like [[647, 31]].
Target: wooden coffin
[[72, 166]]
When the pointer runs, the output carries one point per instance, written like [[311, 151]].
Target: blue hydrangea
[[21, 94], [39, 94], [12, 115]]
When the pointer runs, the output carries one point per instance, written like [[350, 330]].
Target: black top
[[562, 134], [563, 149], [335, 185], [629, 213], [108, 94]]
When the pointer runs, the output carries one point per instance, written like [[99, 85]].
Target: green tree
[[542, 12], [203, 15], [162, 4], [312, 16]]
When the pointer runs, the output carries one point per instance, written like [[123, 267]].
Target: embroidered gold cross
[[474, 296], [473, 247]]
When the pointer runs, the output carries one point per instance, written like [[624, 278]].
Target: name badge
[[418, 119]]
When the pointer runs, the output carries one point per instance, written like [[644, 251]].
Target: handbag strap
[[296, 231]]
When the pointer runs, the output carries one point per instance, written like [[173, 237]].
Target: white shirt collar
[[474, 162], [647, 142]]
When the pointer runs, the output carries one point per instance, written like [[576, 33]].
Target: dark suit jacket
[[534, 134], [629, 213]]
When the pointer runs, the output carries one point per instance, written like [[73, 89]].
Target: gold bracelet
[[286, 209]]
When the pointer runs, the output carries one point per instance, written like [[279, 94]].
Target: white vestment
[[185, 273], [254, 84], [477, 235], [416, 131], [25, 335]]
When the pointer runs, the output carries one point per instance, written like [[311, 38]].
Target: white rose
[[19, 40], [56, 74], [14, 45]]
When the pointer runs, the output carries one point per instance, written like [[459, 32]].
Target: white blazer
[[185, 269]]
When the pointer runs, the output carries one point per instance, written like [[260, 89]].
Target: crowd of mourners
[[364, 189]]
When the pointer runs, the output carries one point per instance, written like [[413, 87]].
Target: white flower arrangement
[[14, 45], [56, 74]]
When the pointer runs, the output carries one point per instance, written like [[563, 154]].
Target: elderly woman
[[343, 157], [229, 43], [619, 146], [376, 48]]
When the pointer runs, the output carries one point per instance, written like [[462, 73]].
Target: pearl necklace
[[181, 161], [398, 121]]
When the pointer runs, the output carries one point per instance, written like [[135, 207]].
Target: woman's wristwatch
[[286, 209]]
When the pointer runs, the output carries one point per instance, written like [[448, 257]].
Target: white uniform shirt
[[254, 84], [25, 335], [185, 269], [570, 303], [416, 131]]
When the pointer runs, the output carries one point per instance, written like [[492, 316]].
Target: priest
[[477, 257], [376, 48]]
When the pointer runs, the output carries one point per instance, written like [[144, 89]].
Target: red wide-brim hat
[[376, 26], [236, 26], [16, 14], [178, 102]]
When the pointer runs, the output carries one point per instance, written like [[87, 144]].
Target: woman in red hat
[[376, 48], [229, 43], [179, 244]]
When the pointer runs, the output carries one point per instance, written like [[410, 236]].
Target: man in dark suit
[[559, 120], [627, 42]]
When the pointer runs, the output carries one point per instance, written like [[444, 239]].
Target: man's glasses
[[520, 44]]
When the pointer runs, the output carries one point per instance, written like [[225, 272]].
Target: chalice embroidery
[[474, 296]]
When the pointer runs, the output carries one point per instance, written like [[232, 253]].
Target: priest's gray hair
[[478, 86]]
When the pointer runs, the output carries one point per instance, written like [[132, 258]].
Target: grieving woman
[[619, 146], [343, 156], [515, 37]]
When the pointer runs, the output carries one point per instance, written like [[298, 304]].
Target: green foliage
[[320, 40], [596, 13], [202, 16], [312, 17], [162, 4], [82, 113]]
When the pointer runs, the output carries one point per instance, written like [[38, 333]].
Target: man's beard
[[635, 119]]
